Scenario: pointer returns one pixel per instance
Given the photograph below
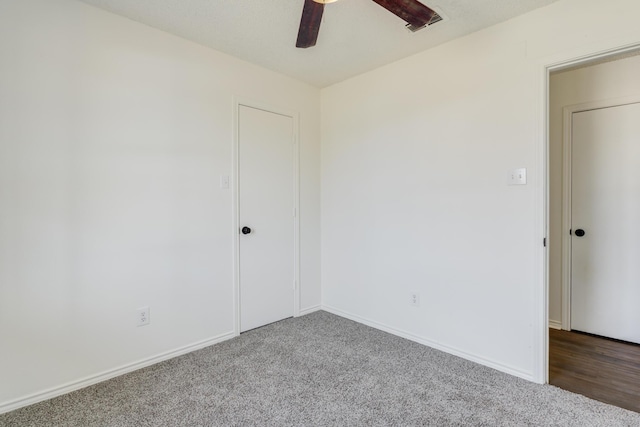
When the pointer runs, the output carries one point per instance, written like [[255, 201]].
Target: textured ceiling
[[355, 36]]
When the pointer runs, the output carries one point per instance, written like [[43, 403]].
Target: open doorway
[[600, 367]]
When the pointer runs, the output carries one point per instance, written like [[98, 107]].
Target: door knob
[[580, 232], [246, 230]]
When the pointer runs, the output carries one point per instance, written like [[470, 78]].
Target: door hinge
[[544, 242]]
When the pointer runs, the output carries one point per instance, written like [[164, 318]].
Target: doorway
[[586, 90], [266, 216]]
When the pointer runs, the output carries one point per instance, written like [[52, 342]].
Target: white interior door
[[605, 205], [266, 207]]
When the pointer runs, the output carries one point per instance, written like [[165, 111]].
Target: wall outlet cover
[[414, 299], [143, 316]]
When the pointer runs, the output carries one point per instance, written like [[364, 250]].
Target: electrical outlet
[[414, 299], [143, 316]]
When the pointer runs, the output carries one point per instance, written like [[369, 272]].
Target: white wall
[[605, 81], [113, 137], [414, 195]]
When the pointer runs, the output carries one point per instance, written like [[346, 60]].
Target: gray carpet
[[319, 370]]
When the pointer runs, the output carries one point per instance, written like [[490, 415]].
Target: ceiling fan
[[416, 14]]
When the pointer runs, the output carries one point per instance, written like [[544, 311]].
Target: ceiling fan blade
[[310, 24], [412, 11]]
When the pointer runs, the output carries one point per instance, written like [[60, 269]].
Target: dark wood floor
[[600, 368]]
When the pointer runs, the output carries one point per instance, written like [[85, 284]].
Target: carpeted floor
[[319, 370]]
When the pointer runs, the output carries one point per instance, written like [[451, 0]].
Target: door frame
[[235, 167], [545, 66], [567, 142]]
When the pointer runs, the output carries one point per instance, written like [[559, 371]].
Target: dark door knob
[[580, 232], [246, 230]]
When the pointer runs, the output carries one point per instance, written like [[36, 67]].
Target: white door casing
[[267, 203], [604, 270]]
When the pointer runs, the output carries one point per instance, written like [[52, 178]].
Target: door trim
[[235, 166], [567, 141]]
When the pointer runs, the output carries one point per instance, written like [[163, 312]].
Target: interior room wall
[[113, 138], [415, 157], [609, 80]]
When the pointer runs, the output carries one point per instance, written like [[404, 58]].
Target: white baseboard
[[310, 310], [106, 375], [451, 350], [94, 379], [554, 324]]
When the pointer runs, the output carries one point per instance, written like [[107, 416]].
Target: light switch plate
[[224, 181], [517, 176]]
